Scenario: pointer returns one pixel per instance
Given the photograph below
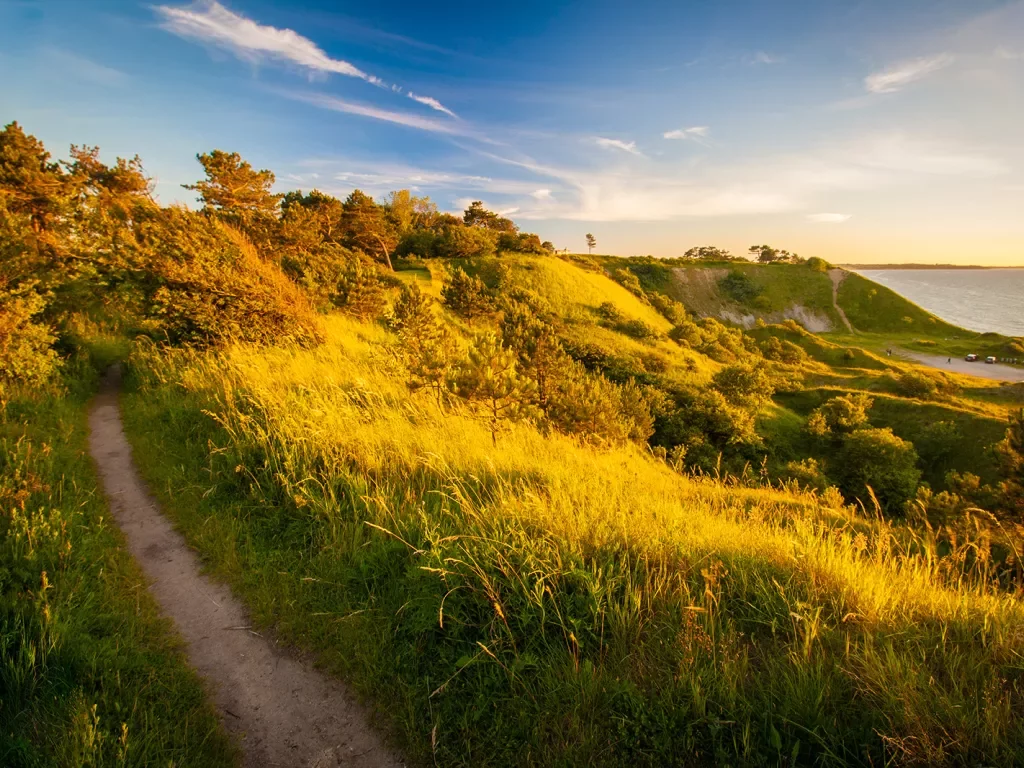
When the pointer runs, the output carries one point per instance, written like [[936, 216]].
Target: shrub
[[740, 287], [817, 264], [744, 385], [808, 473], [840, 415], [629, 281], [638, 329], [915, 384], [212, 285], [610, 313], [26, 352], [878, 459], [670, 309]]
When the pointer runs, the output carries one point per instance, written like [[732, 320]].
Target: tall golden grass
[[720, 622]]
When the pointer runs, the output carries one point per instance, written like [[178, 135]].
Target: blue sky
[[851, 130]]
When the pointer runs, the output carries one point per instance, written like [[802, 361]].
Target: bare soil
[[284, 712]]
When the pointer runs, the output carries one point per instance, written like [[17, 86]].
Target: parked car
[[972, 358], [990, 359]]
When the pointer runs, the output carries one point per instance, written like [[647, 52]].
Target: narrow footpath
[[284, 713], [838, 275]]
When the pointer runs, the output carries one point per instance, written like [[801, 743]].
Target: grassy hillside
[[476, 591], [873, 308]]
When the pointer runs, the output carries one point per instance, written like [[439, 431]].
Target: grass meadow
[[544, 602]]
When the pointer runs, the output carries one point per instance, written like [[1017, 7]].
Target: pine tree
[[465, 295], [536, 343], [488, 379], [361, 290]]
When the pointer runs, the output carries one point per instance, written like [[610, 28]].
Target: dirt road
[[959, 365], [285, 713]]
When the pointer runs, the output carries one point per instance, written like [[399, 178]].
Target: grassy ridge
[[89, 671], [545, 603]]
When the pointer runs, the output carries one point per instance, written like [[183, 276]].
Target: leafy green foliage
[[840, 415], [25, 344], [879, 460], [747, 386], [738, 286]]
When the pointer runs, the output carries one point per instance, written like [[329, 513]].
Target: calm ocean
[[979, 299]]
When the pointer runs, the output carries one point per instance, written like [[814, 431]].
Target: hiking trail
[[838, 275], [284, 713]]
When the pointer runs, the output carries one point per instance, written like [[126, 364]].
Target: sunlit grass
[[671, 619]]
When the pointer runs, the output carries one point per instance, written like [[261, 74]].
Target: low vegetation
[[541, 510], [89, 672]]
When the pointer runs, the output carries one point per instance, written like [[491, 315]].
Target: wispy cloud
[[696, 133], [902, 74], [1005, 54], [828, 218], [407, 119], [208, 21], [541, 194], [625, 146], [432, 103]]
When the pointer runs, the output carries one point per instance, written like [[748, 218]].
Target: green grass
[[545, 603], [873, 308], [90, 674], [970, 451]]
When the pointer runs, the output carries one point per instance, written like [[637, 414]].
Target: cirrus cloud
[[899, 75], [207, 21], [625, 146]]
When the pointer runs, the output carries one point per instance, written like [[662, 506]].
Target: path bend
[[285, 713]]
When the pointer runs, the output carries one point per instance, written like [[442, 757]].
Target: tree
[[465, 295], [478, 216], [763, 254], [237, 192], [366, 227], [708, 253], [489, 381], [408, 212], [591, 243], [361, 290], [31, 183], [878, 459], [534, 340], [462, 242]]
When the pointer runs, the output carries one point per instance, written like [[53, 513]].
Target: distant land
[[925, 266]]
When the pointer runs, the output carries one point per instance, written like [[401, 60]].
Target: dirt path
[[959, 365], [838, 275], [285, 713]]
